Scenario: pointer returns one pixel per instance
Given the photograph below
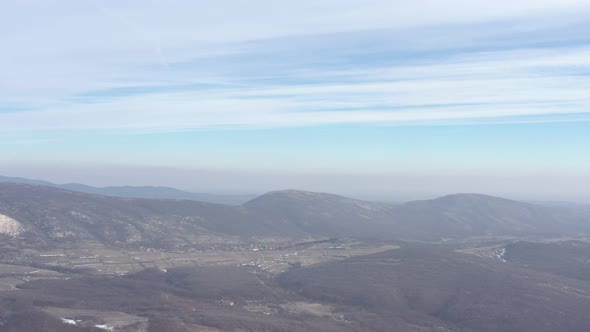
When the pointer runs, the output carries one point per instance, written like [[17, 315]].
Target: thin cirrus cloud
[[177, 65]]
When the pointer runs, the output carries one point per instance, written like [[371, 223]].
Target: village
[[94, 258]]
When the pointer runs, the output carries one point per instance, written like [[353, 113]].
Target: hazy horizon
[[386, 187], [387, 98]]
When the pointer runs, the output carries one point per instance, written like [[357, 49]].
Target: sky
[[383, 98]]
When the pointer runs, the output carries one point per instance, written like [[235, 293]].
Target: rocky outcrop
[[9, 226]]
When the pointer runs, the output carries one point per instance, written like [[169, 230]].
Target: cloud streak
[[256, 64]]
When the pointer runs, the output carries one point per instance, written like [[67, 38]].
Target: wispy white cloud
[[72, 65]]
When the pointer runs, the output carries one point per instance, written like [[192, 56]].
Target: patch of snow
[[104, 327], [69, 321], [499, 254]]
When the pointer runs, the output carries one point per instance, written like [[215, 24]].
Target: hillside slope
[[44, 215], [422, 288], [55, 216], [464, 215], [456, 216]]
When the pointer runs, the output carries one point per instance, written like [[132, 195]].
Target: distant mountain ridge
[[455, 216], [157, 192], [52, 216]]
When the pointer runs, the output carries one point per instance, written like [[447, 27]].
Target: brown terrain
[[289, 261]]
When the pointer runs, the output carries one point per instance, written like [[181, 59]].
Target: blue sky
[[374, 88]]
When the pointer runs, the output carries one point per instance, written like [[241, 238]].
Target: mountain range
[[289, 260], [138, 191], [38, 214]]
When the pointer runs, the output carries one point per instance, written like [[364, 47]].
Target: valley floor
[[328, 285]]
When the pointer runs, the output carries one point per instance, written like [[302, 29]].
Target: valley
[[289, 261]]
